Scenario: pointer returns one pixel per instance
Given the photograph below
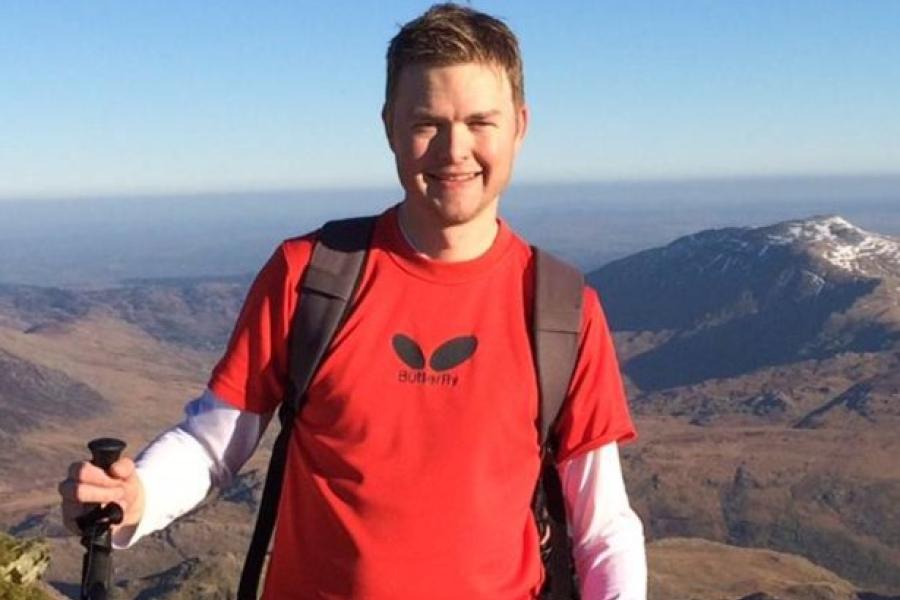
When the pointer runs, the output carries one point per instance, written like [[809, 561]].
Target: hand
[[89, 484]]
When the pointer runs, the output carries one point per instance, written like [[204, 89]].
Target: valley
[[766, 396]]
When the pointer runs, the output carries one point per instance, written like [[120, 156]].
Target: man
[[406, 478]]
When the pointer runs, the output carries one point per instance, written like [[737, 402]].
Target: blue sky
[[109, 97]]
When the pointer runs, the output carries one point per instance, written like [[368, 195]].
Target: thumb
[[122, 469]]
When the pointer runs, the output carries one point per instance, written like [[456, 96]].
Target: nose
[[455, 143]]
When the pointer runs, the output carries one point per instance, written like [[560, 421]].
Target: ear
[[522, 117], [386, 119]]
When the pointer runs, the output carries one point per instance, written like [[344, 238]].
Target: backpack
[[327, 288]]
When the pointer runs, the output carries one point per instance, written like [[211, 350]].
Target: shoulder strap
[[324, 299], [556, 323], [326, 290], [558, 293]]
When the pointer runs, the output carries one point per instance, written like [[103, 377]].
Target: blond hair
[[449, 34]]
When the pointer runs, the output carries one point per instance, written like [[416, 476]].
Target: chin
[[448, 207], [458, 211]]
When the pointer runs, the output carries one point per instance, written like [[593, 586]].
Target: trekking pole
[[96, 567]]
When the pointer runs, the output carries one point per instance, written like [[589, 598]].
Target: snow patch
[[842, 244]]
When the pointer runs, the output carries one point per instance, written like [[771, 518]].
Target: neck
[[449, 243]]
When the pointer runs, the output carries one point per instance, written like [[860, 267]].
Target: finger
[[66, 489], [72, 508], [74, 470], [74, 491], [71, 511], [122, 468], [85, 472]]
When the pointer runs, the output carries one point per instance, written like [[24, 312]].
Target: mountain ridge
[[748, 298]]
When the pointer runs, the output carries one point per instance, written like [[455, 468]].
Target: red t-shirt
[[412, 466]]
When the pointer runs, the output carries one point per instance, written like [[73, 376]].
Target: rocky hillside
[[722, 303], [763, 366], [197, 313], [829, 495], [33, 396]]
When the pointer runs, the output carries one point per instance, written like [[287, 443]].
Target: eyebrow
[[485, 115], [421, 113]]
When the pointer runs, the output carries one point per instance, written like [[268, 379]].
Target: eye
[[424, 126], [480, 124]]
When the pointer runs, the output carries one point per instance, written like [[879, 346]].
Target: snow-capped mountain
[[840, 244], [728, 301]]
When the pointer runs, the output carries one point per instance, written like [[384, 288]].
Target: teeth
[[461, 177]]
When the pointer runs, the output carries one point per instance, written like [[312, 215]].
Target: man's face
[[455, 132]]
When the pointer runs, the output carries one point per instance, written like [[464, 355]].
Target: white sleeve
[[177, 469], [607, 535]]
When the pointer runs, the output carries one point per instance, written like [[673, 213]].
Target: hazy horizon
[[886, 182], [102, 241]]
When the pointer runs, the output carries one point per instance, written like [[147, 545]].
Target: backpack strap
[[558, 293], [556, 324], [327, 286]]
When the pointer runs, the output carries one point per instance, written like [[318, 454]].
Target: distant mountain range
[[192, 312], [725, 302], [773, 353], [763, 367]]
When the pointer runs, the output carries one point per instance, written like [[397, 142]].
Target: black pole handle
[[105, 451], [96, 568]]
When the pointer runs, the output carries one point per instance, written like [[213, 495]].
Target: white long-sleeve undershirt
[[215, 439]]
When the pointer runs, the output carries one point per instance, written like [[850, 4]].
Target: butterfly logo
[[448, 355]]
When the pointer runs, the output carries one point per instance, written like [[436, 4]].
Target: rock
[[22, 562]]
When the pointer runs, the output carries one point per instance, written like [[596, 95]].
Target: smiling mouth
[[452, 177]]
